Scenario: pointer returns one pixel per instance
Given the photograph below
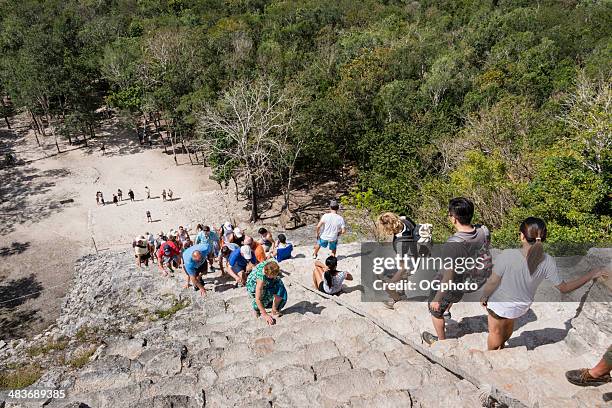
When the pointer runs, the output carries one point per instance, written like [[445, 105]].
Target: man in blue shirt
[[195, 264], [242, 260]]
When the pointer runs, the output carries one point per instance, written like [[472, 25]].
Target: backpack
[[411, 240], [477, 275]]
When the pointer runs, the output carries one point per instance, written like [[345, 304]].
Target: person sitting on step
[[327, 278]]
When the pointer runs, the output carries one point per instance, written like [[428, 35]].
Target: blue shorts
[[236, 268], [332, 244]]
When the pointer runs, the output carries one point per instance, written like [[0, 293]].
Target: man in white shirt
[[332, 225]]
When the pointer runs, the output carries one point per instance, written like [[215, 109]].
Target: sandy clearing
[[42, 238]]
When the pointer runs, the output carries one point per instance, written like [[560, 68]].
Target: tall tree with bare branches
[[246, 135]]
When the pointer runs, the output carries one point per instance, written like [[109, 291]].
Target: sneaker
[[447, 315], [583, 378], [389, 304], [429, 338], [314, 256]]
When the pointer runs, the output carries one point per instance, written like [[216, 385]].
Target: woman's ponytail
[[534, 231]]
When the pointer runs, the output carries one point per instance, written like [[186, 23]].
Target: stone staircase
[[215, 353], [552, 338]]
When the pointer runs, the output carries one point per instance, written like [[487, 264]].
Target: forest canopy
[[506, 102]]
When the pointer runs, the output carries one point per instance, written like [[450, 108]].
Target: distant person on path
[[102, 198], [170, 193], [149, 219], [120, 194], [97, 198], [267, 291], [460, 214], [326, 278], [333, 226], [164, 194], [131, 194], [103, 148], [266, 239], [147, 192], [517, 273], [115, 199], [168, 254], [596, 376], [282, 249], [195, 265], [141, 251]]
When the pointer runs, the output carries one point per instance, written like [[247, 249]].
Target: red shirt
[[174, 251]]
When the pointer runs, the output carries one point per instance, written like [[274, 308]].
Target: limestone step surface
[[214, 353], [552, 338]]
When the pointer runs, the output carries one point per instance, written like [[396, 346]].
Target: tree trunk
[[39, 125], [185, 147], [235, 187], [52, 131], [254, 215], [35, 127], [171, 136], [288, 191], [160, 136]]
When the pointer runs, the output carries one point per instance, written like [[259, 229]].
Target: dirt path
[[42, 237]]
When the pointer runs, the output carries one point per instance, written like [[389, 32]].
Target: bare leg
[[317, 276], [509, 329], [277, 300], [602, 368], [500, 330], [231, 273], [187, 280], [395, 278], [316, 249], [439, 326], [495, 340]]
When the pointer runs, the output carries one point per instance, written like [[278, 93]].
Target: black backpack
[[407, 242]]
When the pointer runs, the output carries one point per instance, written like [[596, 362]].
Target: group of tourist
[[510, 285], [116, 197], [166, 196], [251, 262]]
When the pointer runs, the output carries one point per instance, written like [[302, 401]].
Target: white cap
[[237, 233], [245, 251], [228, 226]]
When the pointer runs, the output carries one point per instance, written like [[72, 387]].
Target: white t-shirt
[[517, 289], [333, 224], [336, 283]]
